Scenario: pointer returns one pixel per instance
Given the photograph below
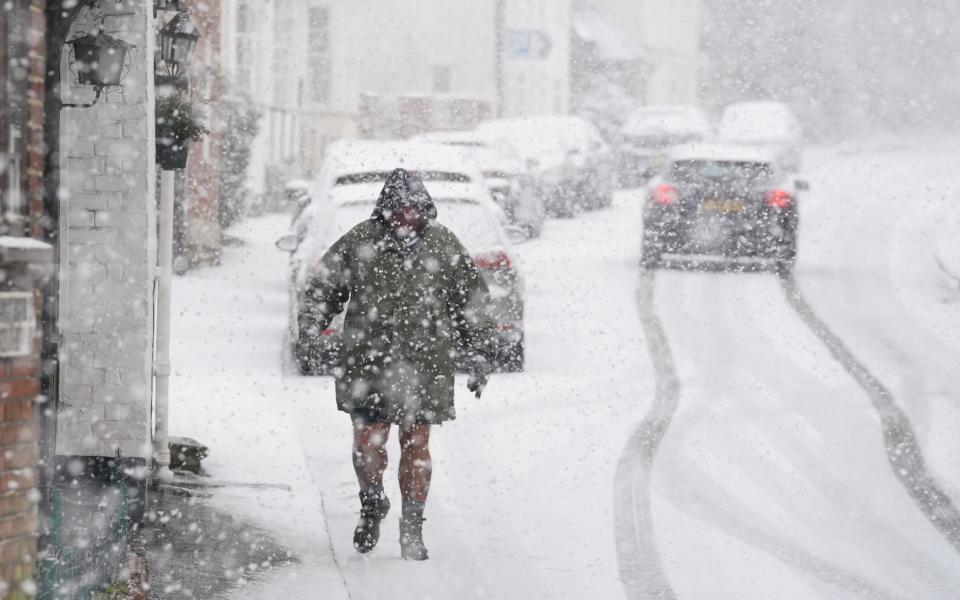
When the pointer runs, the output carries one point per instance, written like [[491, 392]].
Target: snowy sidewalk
[[522, 498]]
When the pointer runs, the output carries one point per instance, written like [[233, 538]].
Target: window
[[441, 79], [245, 55], [318, 54]]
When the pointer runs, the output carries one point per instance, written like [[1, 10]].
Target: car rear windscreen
[[378, 176], [698, 173], [470, 221]]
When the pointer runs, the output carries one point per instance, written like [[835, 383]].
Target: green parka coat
[[407, 307]]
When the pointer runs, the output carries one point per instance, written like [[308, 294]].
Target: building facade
[[107, 246], [199, 234], [309, 64], [24, 267]]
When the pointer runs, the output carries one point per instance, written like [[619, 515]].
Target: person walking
[[415, 301]]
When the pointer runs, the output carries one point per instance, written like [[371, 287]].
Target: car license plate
[[723, 206]]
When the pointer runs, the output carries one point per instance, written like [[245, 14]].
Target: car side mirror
[[516, 235], [801, 185], [288, 243]]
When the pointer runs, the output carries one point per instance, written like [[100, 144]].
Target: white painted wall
[[538, 86], [108, 251], [669, 31]]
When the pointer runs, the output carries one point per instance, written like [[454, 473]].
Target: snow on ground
[[871, 232], [521, 502], [771, 481]]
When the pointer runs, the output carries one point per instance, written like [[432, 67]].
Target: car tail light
[[665, 194], [328, 332], [778, 199], [492, 260]]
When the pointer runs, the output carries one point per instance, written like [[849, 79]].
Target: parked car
[[648, 136], [770, 125], [298, 195], [732, 202], [511, 186], [359, 162], [571, 164], [464, 206]]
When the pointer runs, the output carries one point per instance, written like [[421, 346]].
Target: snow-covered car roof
[[297, 184], [491, 152], [346, 157], [722, 152], [667, 120], [761, 121], [546, 138]]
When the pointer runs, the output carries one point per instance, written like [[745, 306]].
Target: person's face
[[406, 221]]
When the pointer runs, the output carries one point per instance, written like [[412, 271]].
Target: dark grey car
[[721, 202]]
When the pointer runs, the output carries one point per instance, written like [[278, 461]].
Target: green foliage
[[115, 591], [177, 118]]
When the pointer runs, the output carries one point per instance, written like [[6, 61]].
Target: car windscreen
[[702, 173], [469, 220], [378, 176]]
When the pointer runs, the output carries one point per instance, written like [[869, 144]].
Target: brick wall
[[19, 454], [23, 266], [108, 248], [202, 197]]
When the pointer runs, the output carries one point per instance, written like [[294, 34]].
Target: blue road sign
[[526, 44]]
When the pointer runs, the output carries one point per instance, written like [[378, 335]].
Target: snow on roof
[[722, 152], [611, 42], [675, 119]]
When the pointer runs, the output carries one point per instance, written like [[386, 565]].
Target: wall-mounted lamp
[[100, 61]]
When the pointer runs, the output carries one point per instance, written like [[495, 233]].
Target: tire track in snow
[[903, 450], [638, 559]]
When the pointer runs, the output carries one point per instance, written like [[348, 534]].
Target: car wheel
[[786, 256], [512, 360], [650, 253], [305, 359]]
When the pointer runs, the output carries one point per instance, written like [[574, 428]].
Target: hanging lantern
[[99, 59], [178, 39]]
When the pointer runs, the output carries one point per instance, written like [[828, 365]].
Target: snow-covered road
[[771, 479]]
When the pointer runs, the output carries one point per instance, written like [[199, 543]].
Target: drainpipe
[[161, 370]]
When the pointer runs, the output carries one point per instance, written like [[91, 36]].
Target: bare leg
[[415, 465], [370, 453], [415, 470]]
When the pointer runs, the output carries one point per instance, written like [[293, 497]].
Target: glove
[[479, 373]]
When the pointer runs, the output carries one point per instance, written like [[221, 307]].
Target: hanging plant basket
[[171, 152], [177, 126]]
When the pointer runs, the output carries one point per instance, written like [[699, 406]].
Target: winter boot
[[411, 532], [374, 506]]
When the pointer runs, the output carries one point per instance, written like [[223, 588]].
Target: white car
[[350, 183], [572, 164], [770, 125], [505, 173], [360, 162], [650, 133]]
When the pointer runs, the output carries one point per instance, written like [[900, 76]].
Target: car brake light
[[777, 199], [492, 260], [665, 194]]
